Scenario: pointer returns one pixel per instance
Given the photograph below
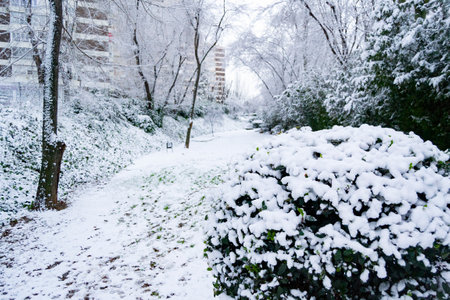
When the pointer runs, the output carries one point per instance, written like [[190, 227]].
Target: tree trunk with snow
[[52, 148], [137, 54]]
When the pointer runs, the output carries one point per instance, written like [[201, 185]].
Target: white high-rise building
[[88, 27], [219, 74]]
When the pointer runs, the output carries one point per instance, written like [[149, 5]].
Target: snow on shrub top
[[388, 192]]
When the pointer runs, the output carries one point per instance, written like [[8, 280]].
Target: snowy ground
[[138, 237]]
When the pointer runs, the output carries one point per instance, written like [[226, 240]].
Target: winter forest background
[[131, 76]]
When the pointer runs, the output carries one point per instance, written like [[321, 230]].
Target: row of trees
[[159, 54], [353, 62], [157, 46], [303, 37], [182, 36]]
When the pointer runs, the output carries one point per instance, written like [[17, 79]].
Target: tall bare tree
[[52, 147], [157, 56], [137, 54], [341, 23], [285, 51], [196, 13]]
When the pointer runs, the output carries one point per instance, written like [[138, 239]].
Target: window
[[5, 71], [4, 18], [5, 53], [23, 3], [20, 37], [4, 3], [18, 18], [4, 36], [18, 52]]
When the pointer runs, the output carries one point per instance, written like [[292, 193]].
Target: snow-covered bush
[[408, 62], [345, 213]]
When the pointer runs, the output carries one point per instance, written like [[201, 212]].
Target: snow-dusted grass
[[103, 135], [138, 237], [347, 212]]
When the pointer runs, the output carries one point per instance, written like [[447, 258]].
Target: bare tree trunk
[[305, 42], [199, 60], [188, 85], [137, 54], [52, 149], [191, 116], [197, 78], [157, 70], [66, 78]]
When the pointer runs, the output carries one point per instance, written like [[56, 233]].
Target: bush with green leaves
[[408, 63], [345, 213]]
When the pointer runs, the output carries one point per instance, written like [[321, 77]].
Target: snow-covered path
[[138, 237]]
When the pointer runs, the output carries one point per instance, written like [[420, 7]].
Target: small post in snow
[[169, 145]]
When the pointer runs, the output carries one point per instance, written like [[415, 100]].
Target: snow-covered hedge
[[358, 213]]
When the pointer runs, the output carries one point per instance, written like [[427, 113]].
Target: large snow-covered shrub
[[359, 213]]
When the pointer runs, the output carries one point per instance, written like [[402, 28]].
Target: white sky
[[239, 24]]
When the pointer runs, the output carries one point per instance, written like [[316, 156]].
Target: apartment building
[[88, 32], [219, 74], [16, 65], [92, 38]]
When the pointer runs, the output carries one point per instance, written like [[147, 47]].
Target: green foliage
[[103, 135], [138, 115], [408, 66]]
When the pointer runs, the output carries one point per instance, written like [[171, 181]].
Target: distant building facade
[[92, 35], [89, 30], [15, 47], [219, 74]]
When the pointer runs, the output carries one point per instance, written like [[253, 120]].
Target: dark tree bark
[[191, 116], [137, 54], [188, 85], [197, 79], [52, 148]]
